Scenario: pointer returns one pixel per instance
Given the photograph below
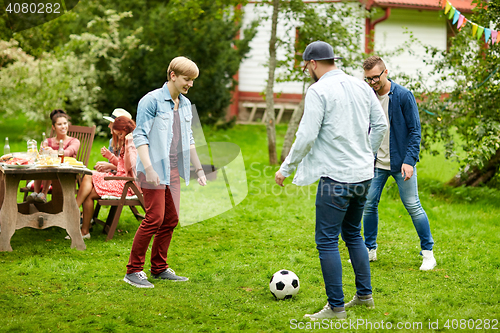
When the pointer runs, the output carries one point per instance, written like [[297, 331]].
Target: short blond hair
[[183, 66]]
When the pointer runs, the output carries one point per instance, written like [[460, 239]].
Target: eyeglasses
[[374, 79], [305, 71]]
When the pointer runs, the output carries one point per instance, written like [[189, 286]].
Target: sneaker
[[361, 300], [328, 313], [87, 236], [429, 262], [41, 197], [372, 255], [139, 280], [169, 274], [32, 197]]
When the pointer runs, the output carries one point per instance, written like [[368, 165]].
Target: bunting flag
[[456, 16], [477, 30], [464, 23], [487, 34], [447, 8], [460, 21], [480, 30], [452, 12], [474, 29]]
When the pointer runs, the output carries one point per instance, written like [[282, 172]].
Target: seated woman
[[93, 187], [71, 145]]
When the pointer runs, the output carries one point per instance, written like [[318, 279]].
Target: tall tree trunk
[[270, 116], [477, 177], [293, 124]]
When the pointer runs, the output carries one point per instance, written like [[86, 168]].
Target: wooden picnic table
[[61, 211]]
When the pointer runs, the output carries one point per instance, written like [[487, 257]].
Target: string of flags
[[477, 30]]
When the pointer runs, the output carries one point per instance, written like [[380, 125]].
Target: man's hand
[[406, 171], [279, 178], [152, 176], [202, 179]]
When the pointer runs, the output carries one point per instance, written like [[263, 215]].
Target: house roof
[[464, 6]]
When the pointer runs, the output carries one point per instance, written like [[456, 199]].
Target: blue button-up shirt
[[155, 119], [405, 134], [334, 139]]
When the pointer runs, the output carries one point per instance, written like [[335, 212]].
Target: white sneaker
[[429, 262], [328, 313], [32, 197], [87, 236], [372, 255]]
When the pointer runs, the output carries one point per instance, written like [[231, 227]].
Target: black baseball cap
[[319, 51]]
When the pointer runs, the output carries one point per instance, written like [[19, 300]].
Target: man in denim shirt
[[165, 146], [396, 157], [338, 136]]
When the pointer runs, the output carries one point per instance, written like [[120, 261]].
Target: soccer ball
[[284, 284]]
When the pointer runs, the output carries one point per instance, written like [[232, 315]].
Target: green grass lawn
[[230, 258]]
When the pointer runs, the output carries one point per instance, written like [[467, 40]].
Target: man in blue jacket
[[396, 157]]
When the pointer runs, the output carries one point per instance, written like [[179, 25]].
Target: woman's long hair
[[121, 124]]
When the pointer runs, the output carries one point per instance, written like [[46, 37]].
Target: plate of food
[[13, 162]]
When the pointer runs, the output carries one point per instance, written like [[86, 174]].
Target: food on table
[[5, 157], [72, 161], [47, 160], [17, 161]]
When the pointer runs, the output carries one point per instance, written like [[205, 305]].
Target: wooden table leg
[[8, 212], [71, 211], [2, 189]]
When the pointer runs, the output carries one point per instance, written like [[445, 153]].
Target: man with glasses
[[396, 157], [340, 132]]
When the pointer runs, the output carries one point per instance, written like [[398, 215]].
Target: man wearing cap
[[106, 166], [341, 130]]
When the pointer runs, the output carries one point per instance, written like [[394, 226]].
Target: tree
[[336, 23], [469, 74], [202, 30], [270, 116], [34, 87], [69, 77]]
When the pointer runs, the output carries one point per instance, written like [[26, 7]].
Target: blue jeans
[[408, 192], [339, 208]]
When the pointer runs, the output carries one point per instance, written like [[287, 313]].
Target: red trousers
[[162, 216]]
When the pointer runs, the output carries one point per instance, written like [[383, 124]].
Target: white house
[[423, 18]]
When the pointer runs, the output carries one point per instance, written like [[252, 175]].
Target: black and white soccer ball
[[284, 284]]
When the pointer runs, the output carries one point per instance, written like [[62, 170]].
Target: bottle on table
[[32, 148], [60, 151], [44, 145], [6, 148]]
